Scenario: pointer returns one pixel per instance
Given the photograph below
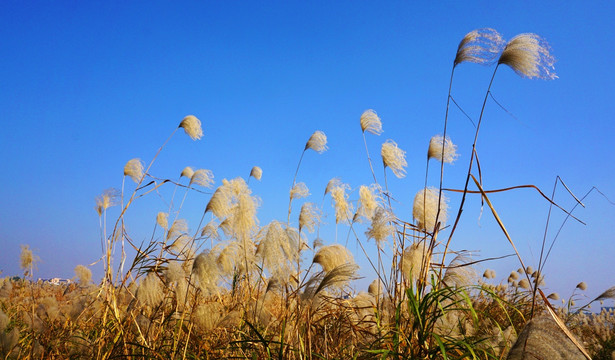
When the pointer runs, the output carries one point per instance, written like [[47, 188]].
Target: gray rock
[[542, 339]]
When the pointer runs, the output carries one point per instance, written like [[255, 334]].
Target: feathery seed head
[[343, 210], [582, 286], [174, 272], [107, 199], [277, 248], [210, 230], [256, 173], [317, 142], [27, 259], [163, 220], [368, 201], [83, 274], [376, 288], [394, 158], [178, 228], [459, 272], [332, 256], [524, 284], [308, 217], [150, 291], [318, 242], [331, 184], [202, 177], [192, 127], [300, 190], [207, 271], [529, 270], [553, 296], [514, 275], [529, 56], [134, 169], [187, 172], [479, 46], [381, 227], [412, 260], [370, 122], [425, 208], [442, 150]]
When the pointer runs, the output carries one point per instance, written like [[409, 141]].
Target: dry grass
[[233, 288]]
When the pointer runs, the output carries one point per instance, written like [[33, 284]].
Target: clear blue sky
[[86, 86]]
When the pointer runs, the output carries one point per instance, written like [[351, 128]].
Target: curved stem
[[465, 188]]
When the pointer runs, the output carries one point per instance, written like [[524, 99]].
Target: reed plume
[[442, 149], [187, 172], [332, 256], [107, 199], [162, 219], [202, 177], [370, 122], [343, 209], [134, 170], [83, 274], [529, 56], [427, 203], [368, 202], [309, 217], [480, 46], [394, 158], [317, 142], [381, 226], [192, 127], [299, 191], [256, 173]]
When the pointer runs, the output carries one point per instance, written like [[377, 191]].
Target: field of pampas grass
[[232, 287]]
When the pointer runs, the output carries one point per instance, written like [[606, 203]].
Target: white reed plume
[[425, 208], [370, 122], [480, 46], [219, 202], [150, 290], [277, 248], [343, 209], [134, 169], [582, 286], [524, 284], [299, 191], [174, 272], [162, 219], [207, 272], [331, 184], [368, 201], [178, 228], [187, 172], [107, 199], [192, 127], [83, 275], [210, 231], [394, 158], [529, 56], [202, 177], [332, 256], [27, 260], [256, 173], [309, 217], [458, 272], [553, 296], [381, 227], [413, 259], [376, 288], [317, 142], [442, 149]]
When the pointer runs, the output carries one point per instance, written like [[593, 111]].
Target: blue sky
[[86, 86]]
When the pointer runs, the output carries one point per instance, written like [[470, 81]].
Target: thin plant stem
[[465, 188]]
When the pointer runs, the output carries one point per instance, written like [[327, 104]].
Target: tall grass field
[[233, 287]]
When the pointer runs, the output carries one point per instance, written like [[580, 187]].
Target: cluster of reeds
[[229, 287]]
